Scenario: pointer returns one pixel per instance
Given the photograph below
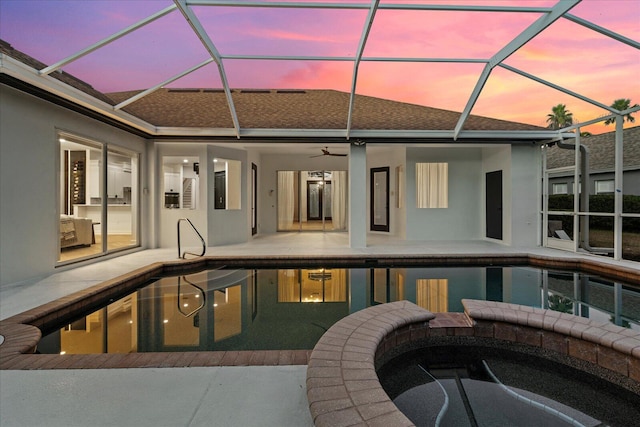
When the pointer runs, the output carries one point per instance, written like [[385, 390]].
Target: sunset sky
[[566, 54]]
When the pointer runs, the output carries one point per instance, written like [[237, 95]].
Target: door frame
[[254, 199], [494, 205], [372, 199]]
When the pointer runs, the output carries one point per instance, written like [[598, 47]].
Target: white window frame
[[432, 185], [610, 186], [560, 188]]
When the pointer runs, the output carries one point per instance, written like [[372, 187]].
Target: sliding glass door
[[312, 200], [122, 199], [98, 198]]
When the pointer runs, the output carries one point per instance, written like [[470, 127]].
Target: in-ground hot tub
[[396, 340]]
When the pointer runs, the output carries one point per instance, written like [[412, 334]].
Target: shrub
[[597, 203]]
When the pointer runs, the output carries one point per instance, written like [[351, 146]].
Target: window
[[605, 186], [181, 182], [560, 188], [432, 185]]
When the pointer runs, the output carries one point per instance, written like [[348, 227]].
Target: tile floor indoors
[[212, 396]]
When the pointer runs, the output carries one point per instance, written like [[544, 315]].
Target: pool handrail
[[183, 255]]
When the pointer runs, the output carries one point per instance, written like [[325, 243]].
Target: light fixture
[[166, 321], [319, 275], [185, 161]]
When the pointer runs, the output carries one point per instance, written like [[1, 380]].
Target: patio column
[[357, 196], [618, 193]]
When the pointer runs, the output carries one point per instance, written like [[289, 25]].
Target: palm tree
[[559, 117], [621, 105]]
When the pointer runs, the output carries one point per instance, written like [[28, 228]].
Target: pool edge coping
[[21, 332]]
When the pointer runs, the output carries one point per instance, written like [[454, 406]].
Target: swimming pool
[[232, 309]]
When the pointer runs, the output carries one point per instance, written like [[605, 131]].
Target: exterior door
[[254, 199], [379, 199], [220, 190], [494, 204]]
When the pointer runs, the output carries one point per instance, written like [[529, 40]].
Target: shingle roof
[[296, 109], [63, 76], [601, 151], [275, 109]]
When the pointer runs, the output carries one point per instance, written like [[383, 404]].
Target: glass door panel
[[122, 197], [80, 205], [312, 200]]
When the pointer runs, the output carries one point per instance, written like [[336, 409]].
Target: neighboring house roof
[[601, 151], [295, 109]]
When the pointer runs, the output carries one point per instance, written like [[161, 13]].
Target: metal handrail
[[202, 300], [204, 245]]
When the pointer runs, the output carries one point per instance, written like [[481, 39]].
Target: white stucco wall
[[168, 218], [526, 183], [29, 185], [227, 226], [392, 157], [521, 177], [498, 159], [462, 220]]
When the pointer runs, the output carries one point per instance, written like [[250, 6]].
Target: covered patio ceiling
[[510, 60]]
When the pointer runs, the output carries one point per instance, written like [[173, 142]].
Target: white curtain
[[432, 187], [339, 200], [286, 199]]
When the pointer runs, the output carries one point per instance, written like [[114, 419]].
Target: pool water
[[480, 386], [273, 309]]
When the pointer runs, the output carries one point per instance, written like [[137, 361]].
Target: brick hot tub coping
[[342, 384], [343, 388]]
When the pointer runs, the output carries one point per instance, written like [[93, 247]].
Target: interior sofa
[[75, 231]]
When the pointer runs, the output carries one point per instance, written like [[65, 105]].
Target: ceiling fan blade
[[338, 155], [319, 155]]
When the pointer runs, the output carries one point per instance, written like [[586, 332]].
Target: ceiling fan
[[325, 152]]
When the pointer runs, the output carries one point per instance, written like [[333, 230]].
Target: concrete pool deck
[[219, 395]]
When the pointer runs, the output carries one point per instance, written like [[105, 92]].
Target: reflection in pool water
[[272, 309]]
